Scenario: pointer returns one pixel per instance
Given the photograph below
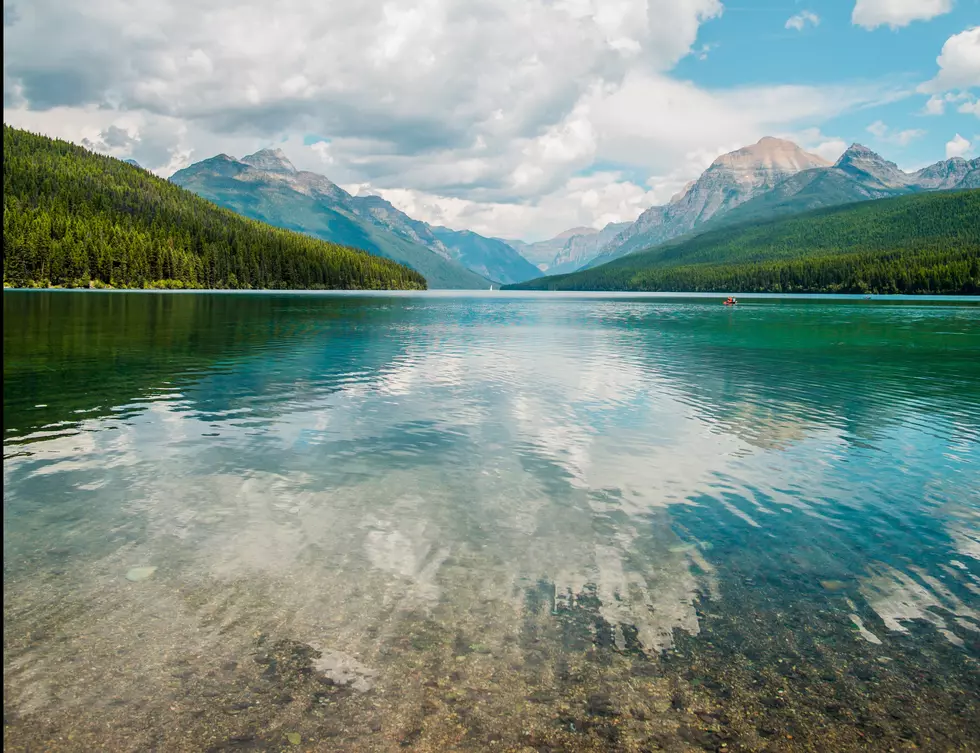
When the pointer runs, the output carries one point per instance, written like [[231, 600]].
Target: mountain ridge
[[858, 174], [568, 250], [925, 242], [267, 186]]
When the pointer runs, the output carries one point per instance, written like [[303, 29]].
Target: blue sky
[[750, 44], [514, 118]]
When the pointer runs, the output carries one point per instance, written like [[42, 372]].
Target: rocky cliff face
[[972, 178], [948, 174]]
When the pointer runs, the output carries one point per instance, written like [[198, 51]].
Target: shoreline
[[518, 294]]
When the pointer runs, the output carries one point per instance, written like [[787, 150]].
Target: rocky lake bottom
[[516, 523]]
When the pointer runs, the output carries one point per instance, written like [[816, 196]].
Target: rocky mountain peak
[[856, 151], [270, 161], [770, 153], [220, 164], [858, 159]]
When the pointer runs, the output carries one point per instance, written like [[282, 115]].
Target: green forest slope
[[74, 218], [277, 204], [923, 243]]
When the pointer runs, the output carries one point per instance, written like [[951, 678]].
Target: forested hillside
[[266, 187], [923, 243], [74, 218]]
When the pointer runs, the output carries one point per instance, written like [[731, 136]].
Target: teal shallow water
[[439, 521]]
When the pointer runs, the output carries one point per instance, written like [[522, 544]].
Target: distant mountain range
[[569, 250], [267, 187], [773, 178], [924, 242], [769, 179]]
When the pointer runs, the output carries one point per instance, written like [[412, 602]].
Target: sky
[[512, 118]]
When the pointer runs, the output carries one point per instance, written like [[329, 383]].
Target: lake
[[521, 522]]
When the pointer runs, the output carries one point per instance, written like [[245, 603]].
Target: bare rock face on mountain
[[731, 179], [581, 248], [268, 187], [569, 250], [542, 253], [972, 177], [943, 175], [270, 161]]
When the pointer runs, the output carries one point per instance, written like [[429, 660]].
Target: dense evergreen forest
[[922, 243], [73, 218]]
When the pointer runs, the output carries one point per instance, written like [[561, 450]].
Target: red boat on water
[[730, 301]]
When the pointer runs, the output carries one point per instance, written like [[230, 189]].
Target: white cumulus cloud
[[504, 113], [935, 106], [959, 63], [801, 19], [896, 13], [957, 147], [883, 133]]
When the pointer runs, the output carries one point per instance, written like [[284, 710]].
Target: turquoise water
[[508, 522]]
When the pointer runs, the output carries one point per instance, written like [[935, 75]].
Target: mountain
[[581, 248], [871, 170], [542, 253], [270, 161], [774, 178], [918, 243], [77, 219], [949, 174], [730, 180], [569, 250], [858, 175], [488, 257], [267, 186]]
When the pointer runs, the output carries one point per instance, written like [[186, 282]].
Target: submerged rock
[[137, 574], [345, 670]]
